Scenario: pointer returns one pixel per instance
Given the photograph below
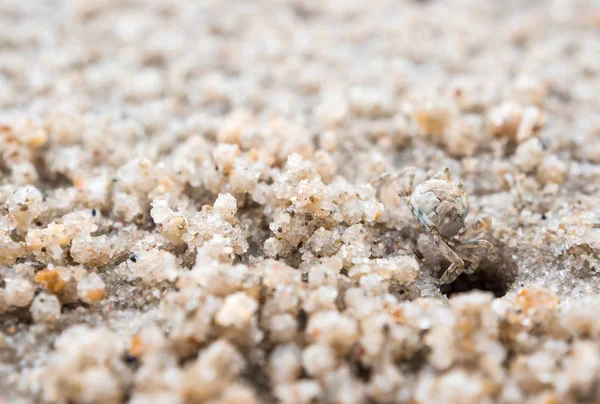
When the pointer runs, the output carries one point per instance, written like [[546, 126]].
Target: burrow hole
[[496, 277]]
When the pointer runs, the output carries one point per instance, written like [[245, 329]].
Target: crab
[[441, 207]]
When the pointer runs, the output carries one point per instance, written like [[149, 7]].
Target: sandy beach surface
[[188, 212]]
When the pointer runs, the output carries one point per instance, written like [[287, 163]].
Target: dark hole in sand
[[496, 277]]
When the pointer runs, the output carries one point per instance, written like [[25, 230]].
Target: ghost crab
[[441, 207]]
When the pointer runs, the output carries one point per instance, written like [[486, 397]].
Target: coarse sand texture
[[190, 212]]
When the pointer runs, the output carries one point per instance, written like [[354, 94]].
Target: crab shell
[[440, 204]]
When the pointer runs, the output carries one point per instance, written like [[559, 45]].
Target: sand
[[188, 210]]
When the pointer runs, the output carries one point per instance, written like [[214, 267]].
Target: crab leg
[[480, 226], [407, 175], [451, 274], [489, 247], [471, 258], [457, 265]]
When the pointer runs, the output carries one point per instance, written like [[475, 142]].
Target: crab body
[[440, 204], [441, 207]]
